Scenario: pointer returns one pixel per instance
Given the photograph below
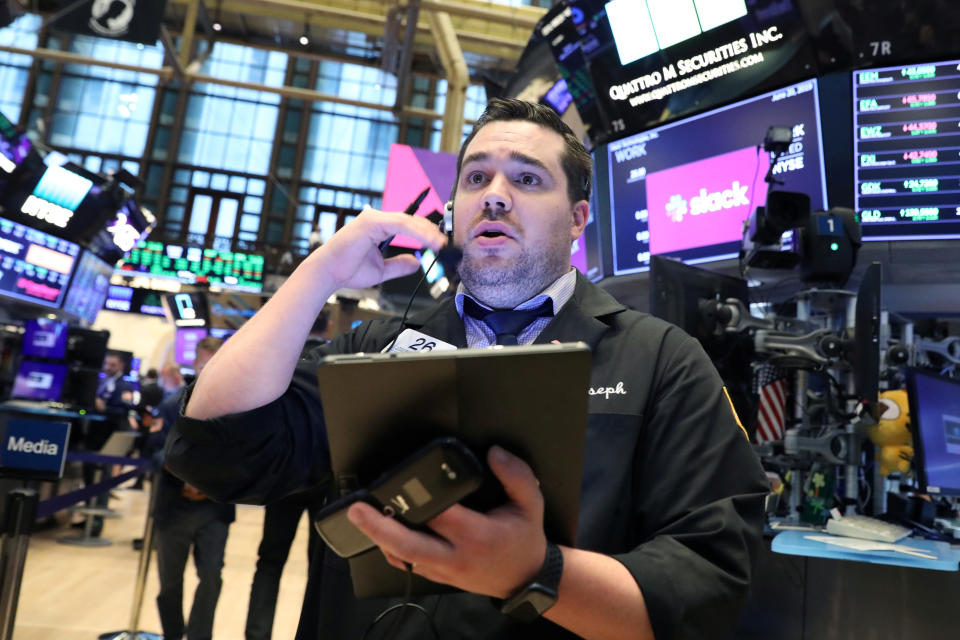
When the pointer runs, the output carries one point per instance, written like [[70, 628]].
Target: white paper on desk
[[859, 544]]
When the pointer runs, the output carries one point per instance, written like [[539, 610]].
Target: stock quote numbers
[[907, 137]]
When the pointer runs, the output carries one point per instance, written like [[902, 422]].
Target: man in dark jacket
[[186, 518], [672, 495]]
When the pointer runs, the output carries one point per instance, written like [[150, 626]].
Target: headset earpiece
[[448, 217]]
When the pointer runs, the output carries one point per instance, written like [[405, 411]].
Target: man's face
[[203, 357], [513, 217], [168, 380], [112, 366]]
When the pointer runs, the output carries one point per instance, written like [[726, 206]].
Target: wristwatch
[[534, 599]]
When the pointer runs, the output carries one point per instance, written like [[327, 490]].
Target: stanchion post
[[143, 569], [21, 511]]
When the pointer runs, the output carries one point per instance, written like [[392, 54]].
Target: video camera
[[784, 233]]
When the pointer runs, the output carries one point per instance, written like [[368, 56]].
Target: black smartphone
[[431, 480]]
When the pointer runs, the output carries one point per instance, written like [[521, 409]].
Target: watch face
[[541, 598], [530, 603]]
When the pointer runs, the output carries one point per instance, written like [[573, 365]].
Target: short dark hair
[[576, 161], [209, 344]]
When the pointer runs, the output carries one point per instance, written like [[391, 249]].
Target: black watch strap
[[535, 598]]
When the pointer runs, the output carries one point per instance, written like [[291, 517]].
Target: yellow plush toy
[[891, 434]]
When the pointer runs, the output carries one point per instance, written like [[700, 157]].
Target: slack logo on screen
[[735, 196]]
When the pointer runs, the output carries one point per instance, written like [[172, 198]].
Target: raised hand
[[352, 256]]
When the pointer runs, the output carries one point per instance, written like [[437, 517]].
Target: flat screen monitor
[[864, 34], [411, 170], [683, 190], [65, 200], [119, 298], [185, 345], [80, 386], [683, 295], [148, 302], [123, 231], [88, 288], [195, 265], [231, 309], [39, 380], [34, 266], [906, 145], [221, 334], [188, 309], [558, 97], [632, 64], [44, 338], [679, 294], [935, 422], [134, 300], [14, 148], [87, 347]]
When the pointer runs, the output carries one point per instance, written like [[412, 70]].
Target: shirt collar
[[559, 292]]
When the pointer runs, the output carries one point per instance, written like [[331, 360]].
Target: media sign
[[33, 448]]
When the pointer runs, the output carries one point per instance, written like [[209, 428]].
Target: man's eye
[[475, 178], [529, 179]]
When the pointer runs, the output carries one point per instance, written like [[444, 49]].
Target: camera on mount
[[784, 233], [769, 241], [829, 243]]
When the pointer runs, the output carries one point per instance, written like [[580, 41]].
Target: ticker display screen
[[194, 265], [88, 289], [907, 151], [34, 266], [689, 201]]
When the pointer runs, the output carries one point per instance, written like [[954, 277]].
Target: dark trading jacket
[[671, 487]]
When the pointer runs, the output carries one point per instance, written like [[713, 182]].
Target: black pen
[[410, 210]]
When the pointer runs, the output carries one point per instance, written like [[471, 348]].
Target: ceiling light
[[217, 26], [305, 38]]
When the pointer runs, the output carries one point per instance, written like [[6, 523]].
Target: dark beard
[[506, 286]]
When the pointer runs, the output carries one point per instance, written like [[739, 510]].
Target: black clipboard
[[531, 400]]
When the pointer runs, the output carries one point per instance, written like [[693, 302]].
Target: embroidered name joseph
[[606, 392]]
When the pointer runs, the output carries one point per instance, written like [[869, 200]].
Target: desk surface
[[44, 410], [798, 543]]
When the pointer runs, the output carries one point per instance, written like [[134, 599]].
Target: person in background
[[170, 379], [280, 522], [316, 238], [185, 518], [150, 396], [115, 400], [114, 396], [150, 392]]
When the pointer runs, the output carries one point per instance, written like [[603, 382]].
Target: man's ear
[[579, 218]]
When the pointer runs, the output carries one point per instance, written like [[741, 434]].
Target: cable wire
[[406, 312], [402, 608]]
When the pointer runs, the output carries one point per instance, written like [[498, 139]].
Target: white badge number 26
[[411, 340]]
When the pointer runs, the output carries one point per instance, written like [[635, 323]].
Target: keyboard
[[867, 528]]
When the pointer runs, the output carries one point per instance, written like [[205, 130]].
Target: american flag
[[770, 383]]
